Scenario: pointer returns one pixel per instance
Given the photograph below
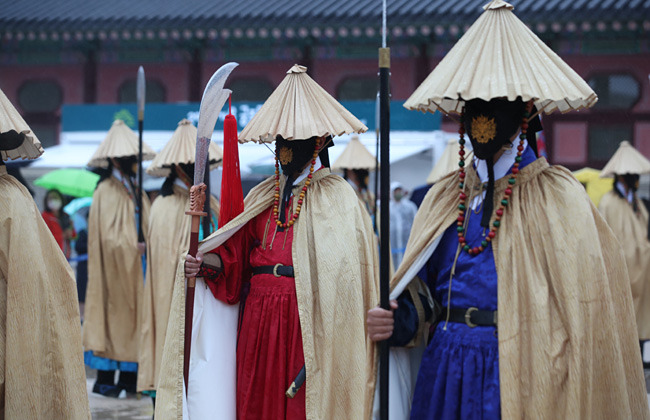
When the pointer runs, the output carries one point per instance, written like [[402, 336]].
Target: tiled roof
[[332, 12], [95, 15]]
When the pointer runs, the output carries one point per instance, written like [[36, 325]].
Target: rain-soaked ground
[[106, 408], [132, 407]]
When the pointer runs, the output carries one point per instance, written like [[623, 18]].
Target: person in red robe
[[282, 289], [269, 340]]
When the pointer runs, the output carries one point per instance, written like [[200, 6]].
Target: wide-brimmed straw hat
[[626, 160], [355, 156], [181, 149], [10, 119], [500, 57], [120, 142], [299, 109]]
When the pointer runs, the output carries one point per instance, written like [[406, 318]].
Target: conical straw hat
[[10, 119], [500, 57], [626, 160], [355, 156], [448, 162], [299, 109], [181, 148], [120, 141]]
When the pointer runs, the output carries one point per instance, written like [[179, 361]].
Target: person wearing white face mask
[[58, 221]]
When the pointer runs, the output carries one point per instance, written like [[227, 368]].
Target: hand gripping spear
[[214, 97], [140, 92]]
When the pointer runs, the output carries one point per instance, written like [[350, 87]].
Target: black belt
[[277, 270], [471, 316]]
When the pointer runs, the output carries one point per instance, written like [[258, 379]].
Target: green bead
[[484, 244], [504, 202], [461, 207], [461, 185], [518, 159], [461, 142], [511, 181], [523, 136], [496, 223], [460, 229], [526, 114], [461, 163], [466, 248]]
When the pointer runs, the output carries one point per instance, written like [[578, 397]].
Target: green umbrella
[[74, 182]]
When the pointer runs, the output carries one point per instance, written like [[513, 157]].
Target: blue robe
[[459, 373]]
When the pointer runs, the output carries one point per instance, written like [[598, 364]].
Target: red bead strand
[[301, 197], [462, 206]]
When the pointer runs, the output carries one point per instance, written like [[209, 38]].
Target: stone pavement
[[128, 407]]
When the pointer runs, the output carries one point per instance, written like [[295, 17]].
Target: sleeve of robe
[[236, 265]]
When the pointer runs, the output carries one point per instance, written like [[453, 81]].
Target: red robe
[[269, 342]]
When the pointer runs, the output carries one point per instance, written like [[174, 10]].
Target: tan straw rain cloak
[[568, 347], [168, 238], [115, 277], [41, 363], [631, 230], [336, 283]]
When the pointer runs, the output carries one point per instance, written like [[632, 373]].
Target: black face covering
[[11, 139], [294, 155], [490, 126]]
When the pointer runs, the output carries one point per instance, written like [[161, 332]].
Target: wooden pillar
[[90, 74], [195, 74]]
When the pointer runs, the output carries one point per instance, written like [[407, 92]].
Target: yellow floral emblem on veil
[[286, 155], [483, 129]]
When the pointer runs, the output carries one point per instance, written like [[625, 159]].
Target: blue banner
[[99, 117]]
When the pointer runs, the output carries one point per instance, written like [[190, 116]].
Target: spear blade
[[214, 97]]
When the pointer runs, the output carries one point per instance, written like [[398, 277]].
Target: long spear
[[214, 97], [384, 167], [140, 90]]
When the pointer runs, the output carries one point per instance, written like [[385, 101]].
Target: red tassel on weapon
[[232, 196]]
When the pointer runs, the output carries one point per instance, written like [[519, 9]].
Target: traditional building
[[87, 52]]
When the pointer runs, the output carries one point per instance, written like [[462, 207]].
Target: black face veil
[[490, 126]]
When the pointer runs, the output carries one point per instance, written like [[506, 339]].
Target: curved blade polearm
[[214, 97]]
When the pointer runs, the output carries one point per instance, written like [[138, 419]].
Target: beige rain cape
[[568, 347], [169, 238], [631, 230], [41, 363], [115, 277], [335, 262]]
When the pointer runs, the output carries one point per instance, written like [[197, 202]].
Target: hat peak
[[118, 122], [625, 143], [297, 68], [184, 121], [498, 4]]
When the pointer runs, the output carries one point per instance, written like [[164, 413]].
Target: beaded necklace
[[301, 197], [460, 221]]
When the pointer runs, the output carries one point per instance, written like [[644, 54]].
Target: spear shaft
[[140, 90]]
